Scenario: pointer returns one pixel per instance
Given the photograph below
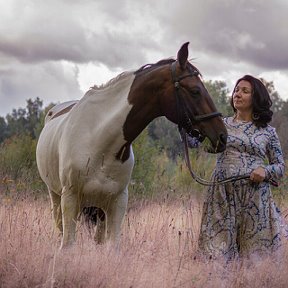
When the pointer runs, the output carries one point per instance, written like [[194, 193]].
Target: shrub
[[17, 157]]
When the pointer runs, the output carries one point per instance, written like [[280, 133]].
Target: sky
[[57, 49]]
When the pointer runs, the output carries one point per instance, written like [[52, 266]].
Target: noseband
[[186, 118]]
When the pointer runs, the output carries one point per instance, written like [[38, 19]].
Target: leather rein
[[186, 123]]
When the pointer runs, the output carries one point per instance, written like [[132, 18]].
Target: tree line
[[20, 129], [30, 120]]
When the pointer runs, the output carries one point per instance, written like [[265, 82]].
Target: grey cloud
[[87, 34], [35, 36], [106, 31], [252, 31], [48, 81]]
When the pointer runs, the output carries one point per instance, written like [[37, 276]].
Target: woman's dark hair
[[261, 101]]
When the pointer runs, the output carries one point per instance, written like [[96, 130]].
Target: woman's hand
[[258, 175]]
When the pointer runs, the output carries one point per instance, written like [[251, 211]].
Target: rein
[[199, 179], [213, 183]]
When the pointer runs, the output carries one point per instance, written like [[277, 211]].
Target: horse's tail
[[92, 215]]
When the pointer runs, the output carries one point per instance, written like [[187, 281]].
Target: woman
[[241, 218]]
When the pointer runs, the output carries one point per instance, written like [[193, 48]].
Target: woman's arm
[[276, 167]]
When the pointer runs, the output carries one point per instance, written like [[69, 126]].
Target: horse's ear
[[182, 55]]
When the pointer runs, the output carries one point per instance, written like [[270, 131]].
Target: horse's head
[[187, 103]]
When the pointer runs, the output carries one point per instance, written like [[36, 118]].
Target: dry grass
[[158, 248]]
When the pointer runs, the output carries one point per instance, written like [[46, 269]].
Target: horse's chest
[[108, 179]]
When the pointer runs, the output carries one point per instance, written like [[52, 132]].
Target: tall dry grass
[[158, 248]]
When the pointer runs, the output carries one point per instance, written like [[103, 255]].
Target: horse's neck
[[144, 97], [110, 97], [119, 112], [102, 113], [109, 105]]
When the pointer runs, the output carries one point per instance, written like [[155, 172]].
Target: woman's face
[[242, 97]]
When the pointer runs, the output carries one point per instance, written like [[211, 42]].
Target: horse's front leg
[[70, 209], [115, 214], [56, 209]]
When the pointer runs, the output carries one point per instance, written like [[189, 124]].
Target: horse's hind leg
[[70, 210], [56, 209], [101, 227]]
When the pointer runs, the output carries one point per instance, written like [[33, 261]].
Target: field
[[158, 249]]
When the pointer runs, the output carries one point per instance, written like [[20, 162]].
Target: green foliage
[[280, 122], [277, 101], [202, 164], [166, 135], [17, 157], [145, 167], [3, 129], [23, 121], [220, 95], [154, 173]]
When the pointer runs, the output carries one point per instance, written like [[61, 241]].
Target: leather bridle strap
[[192, 119]]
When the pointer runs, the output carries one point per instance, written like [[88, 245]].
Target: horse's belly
[[68, 156]]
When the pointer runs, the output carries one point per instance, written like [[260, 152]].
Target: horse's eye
[[195, 92]]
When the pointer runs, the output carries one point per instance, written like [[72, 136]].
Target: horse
[[84, 152]]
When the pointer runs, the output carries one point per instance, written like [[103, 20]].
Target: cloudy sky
[[57, 49]]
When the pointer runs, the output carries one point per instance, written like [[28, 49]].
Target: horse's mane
[[142, 70], [149, 67], [111, 81]]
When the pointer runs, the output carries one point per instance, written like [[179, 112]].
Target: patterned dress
[[241, 218]]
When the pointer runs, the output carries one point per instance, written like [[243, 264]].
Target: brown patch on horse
[[63, 111], [145, 106]]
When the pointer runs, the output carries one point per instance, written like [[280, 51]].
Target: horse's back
[[59, 110]]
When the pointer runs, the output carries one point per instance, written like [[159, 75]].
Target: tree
[[34, 112], [277, 101], [220, 95], [145, 152], [25, 120], [166, 135], [16, 122], [280, 122], [3, 129]]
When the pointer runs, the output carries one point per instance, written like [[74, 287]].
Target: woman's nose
[[237, 94]]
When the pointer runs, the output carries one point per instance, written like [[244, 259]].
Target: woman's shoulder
[[230, 122], [228, 119], [268, 130], [271, 129]]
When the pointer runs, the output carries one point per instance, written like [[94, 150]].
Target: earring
[[255, 116]]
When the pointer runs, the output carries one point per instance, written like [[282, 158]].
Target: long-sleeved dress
[[241, 218]]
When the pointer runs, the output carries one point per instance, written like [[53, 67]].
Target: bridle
[[187, 124], [187, 120]]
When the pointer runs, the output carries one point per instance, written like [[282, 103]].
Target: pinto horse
[[84, 153]]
